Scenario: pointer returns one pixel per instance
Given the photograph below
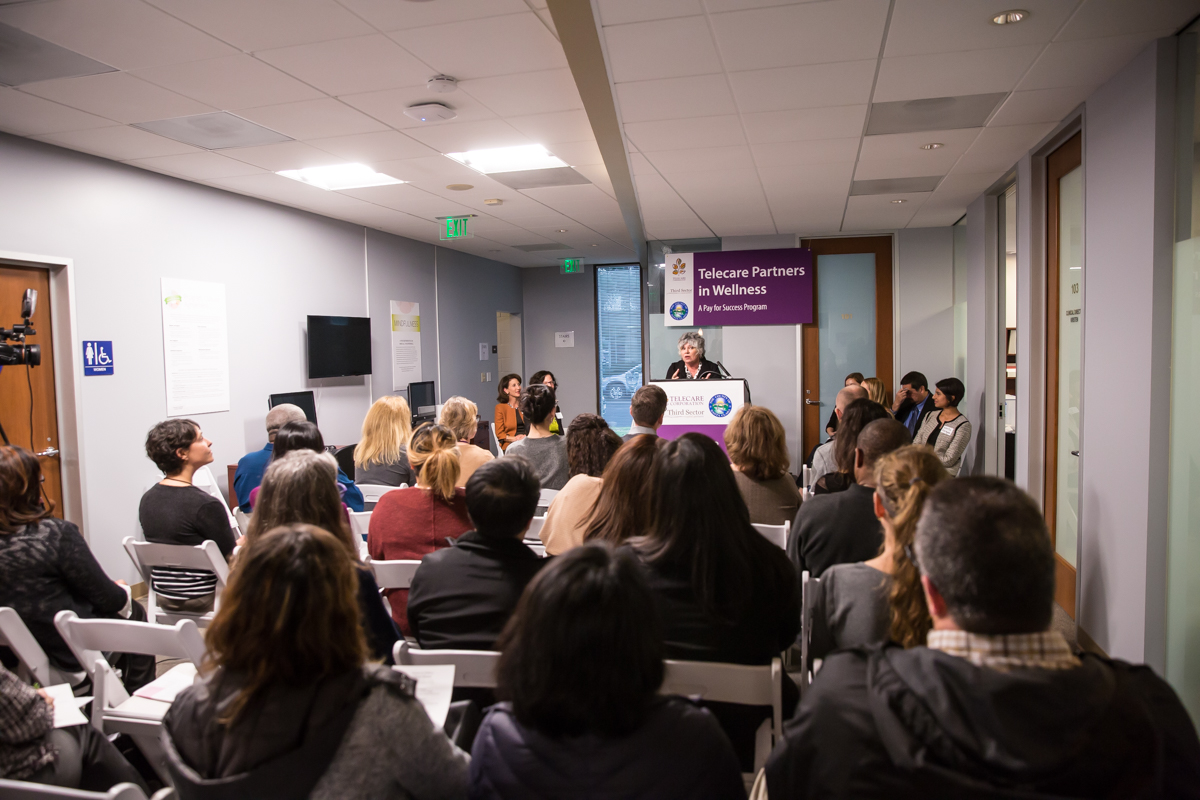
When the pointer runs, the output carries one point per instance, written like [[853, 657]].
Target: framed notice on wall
[[195, 347], [406, 343]]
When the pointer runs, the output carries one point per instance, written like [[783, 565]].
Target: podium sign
[[701, 407]]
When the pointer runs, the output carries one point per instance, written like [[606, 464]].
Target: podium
[[701, 406]]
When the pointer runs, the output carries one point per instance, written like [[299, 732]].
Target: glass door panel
[[845, 322], [1070, 326], [619, 341]]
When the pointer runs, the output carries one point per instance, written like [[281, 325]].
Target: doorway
[[852, 328], [1006, 283], [509, 351]]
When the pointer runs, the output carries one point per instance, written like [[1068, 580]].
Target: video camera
[[30, 354]]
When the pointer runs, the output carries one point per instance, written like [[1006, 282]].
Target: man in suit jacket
[[913, 402], [647, 408]]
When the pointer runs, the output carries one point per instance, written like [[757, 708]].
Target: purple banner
[[754, 287]]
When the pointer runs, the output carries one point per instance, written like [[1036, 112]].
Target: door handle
[[49, 452], [1075, 453], [812, 402]]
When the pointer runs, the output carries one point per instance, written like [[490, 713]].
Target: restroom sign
[[97, 358]]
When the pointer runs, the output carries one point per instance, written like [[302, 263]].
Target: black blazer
[[706, 368], [907, 406]]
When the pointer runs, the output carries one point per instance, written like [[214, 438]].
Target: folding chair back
[[392, 574], [775, 534], [547, 497], [808, 588], [147, 555], [243, 520], [23, 790], [495, 440], [535, 528], [360, 523], [34, 663], [373, 491], [474, 668]]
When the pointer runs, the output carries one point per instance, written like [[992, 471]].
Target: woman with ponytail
[[879, 599], [410, 523]]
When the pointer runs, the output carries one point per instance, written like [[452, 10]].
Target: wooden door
[[880, 247], [28, 411]]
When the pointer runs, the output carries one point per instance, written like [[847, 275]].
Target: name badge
[[947, 431]]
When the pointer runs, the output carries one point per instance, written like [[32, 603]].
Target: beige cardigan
[[470, 458], [568, 513]]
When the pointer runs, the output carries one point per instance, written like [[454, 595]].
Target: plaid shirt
[[1047, 650], [25, 719]]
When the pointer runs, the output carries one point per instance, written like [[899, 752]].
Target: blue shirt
[[249, 474], [913, 418]]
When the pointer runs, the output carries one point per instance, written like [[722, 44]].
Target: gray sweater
[[850, 607], [548, 456]]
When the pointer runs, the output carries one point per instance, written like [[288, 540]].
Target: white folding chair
[[360, 523], [808, 587], [775, 534], [535, 529], [806, 477], [243, 521], [734, 683], [147, 555], [34, 663], [547, 497], [474, 668], [495, 441], [23, 790], [373, 491], [392, 574]]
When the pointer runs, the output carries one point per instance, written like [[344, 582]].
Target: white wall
[[556, 302], [399, 269], [925, 302]]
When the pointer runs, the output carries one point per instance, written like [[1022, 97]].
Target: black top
[[836, 528], [462, 596], [881, 721], [190, 516], [46, 568], [706, 368], [833, 421], [377, 622]]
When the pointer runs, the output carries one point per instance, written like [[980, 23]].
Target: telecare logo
[[720, 405], [679, 268], [679, 310]]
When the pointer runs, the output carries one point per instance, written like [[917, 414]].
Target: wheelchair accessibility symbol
[[97, 358]]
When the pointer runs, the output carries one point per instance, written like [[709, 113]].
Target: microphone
[[728, 374]]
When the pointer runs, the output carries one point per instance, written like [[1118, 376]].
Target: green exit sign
[[571, 266], [455, 228]]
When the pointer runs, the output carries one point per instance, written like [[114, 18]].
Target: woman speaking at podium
[[692, 364]]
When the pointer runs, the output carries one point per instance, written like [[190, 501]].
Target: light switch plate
[[484, 351]]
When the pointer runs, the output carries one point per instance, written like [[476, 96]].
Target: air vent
[[895, 186], [219, 130], [24, 58], [933, 113], [539, 178], [541, 248]]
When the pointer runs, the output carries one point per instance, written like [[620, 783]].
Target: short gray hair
[[695, 339], [282, 414], [984, 545]]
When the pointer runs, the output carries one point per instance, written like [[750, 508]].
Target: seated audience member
[[511, 425], [286, 706], [757, 449], [33, 750], [545, 451], [460, 415], [411, 523], [823, 461], [948, 432], [851, 601], [250, 467], [590, 446], [626, 500], [304, 435], [853, 379], [173, 511], [381, 456], [877, 391], [647, 408], [858, 415], [580, 668], [462, 596], [544, 376], [301, 488], [996, 704], [913, 402], [46, 567], [842, 528]]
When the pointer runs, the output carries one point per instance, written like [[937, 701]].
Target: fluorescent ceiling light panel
[[933, 113], [508, 159], [340, 176], [895, 186], [218, 130], [24, 58]]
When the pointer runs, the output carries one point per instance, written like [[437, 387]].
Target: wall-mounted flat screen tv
[[339, 346]]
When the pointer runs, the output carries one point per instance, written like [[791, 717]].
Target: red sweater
[[406, 525]]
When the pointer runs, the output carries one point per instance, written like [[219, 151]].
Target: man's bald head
[[281, 415], [847, 396], [876, 440]]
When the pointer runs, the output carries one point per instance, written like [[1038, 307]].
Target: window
[[619, 340]]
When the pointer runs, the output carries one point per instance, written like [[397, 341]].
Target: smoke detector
[[430, 112], [441, 84]]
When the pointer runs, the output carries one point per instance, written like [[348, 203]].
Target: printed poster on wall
[[195, 347], [406, 344], [739, 287]]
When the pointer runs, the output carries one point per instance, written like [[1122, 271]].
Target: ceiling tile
[[935, 215], [805, 183], [409, 199], [526, 93], [373, 148], [1100, 18], [921, 27], [560, 126], [723, 198], [350, 66], [997, 149], [388, 106], [312, 119], [808, 33], [814, 151], [584, 202], [619, 12], [439, 171], [266, 24], [964, 187], [1086, 63], [879, 213], [481, 48], [670, 134], [670, 48], [578, 153], [908, 145], [121, 143], [458, 137], [388, 15], [231, 82], [715, 6], [702, 160], [883, 169], [675, 98], [126, 34], [809, 86], [676, 229], [951, 74], [26, 115], [933, 113], [286, 155], [1039, 105], [119, 96], [201, 166], [805, 123]]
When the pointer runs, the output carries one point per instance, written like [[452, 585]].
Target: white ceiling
[[740, 116]]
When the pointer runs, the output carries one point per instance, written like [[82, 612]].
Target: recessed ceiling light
[[459, 187], [932, 146], [595, 245], [508, 159], [216, 130], [899, 201], [340, 176], [1010, 17], [562, 230]]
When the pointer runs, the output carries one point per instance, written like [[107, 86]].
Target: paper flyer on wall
[[195, 346], [406, 344]]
